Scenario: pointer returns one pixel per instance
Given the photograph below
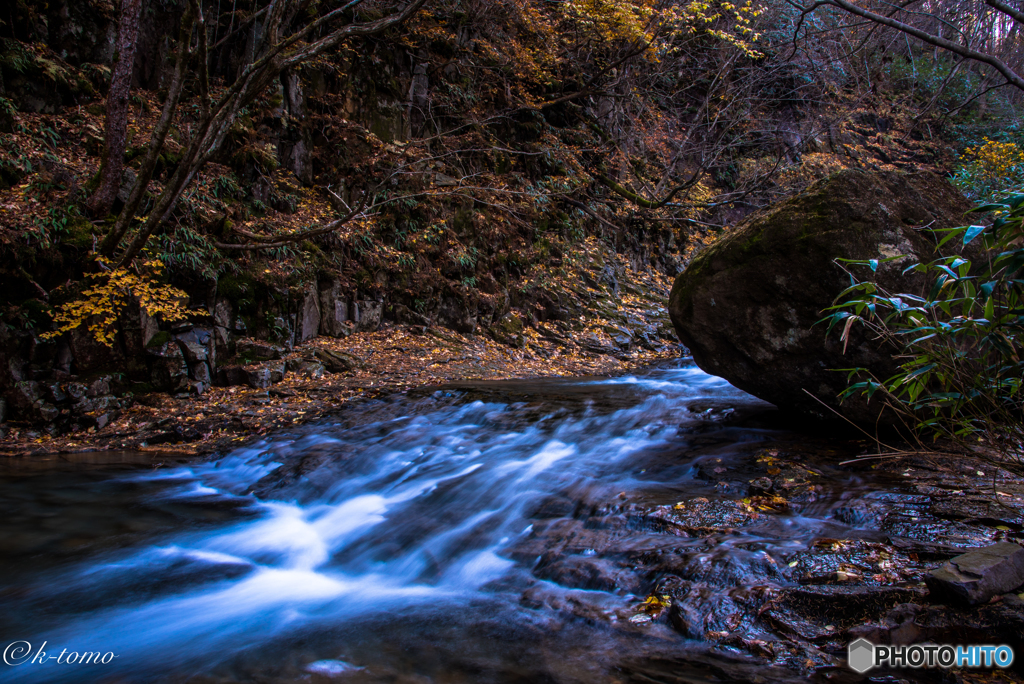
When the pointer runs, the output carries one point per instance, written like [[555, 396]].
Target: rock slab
[[978, 575]]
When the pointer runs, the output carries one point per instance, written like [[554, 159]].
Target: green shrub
[[962, 345], [990, 169]]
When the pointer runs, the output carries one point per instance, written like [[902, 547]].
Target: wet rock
[[750, 301], [700, 516], [254, 350], [978, 575], [701, 611], [554, 507], [845, 561], [824, 612], [723, 567], [180, 434], [897, 626], [587, 573]]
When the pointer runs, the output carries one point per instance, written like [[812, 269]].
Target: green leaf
[[972, 232]]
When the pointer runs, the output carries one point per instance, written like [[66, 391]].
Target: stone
[[368, 314], [748, 305], [337, 362], [253, 350], [55, 394], [193, 351], [277, 371], [258, 378], [306, 367], [333, 312], [99, 387], [104, 419], [45, 412], [128, 177], [3, 410], [167, 368], [978, 575], [223, 342], [75, 390], [308, 324], [230, 376], [200, 373], [283, 331], [223, 314], [97, 404], [24, 395]]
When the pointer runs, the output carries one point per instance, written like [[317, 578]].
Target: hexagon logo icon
[[860, 655]]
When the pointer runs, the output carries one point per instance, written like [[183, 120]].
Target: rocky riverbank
[[363, 365]]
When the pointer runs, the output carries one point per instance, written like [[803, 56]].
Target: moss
[[236, 287], [80, 233], [36, 311], [159, 340]]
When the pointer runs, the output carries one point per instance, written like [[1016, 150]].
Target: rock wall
[[76, 382]]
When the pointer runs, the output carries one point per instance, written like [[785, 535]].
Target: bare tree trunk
[[116, 132], [156, 140]]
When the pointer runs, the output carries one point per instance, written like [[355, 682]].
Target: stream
[[489, 532]]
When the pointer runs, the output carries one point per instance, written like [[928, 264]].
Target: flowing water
[[397, 542]]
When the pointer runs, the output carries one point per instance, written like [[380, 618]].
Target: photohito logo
[[862, 655]]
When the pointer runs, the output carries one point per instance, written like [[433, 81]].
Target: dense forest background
[[288, 169]]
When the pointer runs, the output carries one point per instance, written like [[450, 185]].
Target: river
[[491, 532]]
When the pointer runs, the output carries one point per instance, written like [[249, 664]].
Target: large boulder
[[747, 306]]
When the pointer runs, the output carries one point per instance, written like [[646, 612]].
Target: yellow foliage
[[997, 161], [112, 293], [653, 26]]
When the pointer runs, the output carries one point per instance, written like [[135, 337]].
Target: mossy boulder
[[747, 306]]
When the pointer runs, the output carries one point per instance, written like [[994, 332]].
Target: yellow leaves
[[99, 306], [997, 160], [654, 604], [653, 27]]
